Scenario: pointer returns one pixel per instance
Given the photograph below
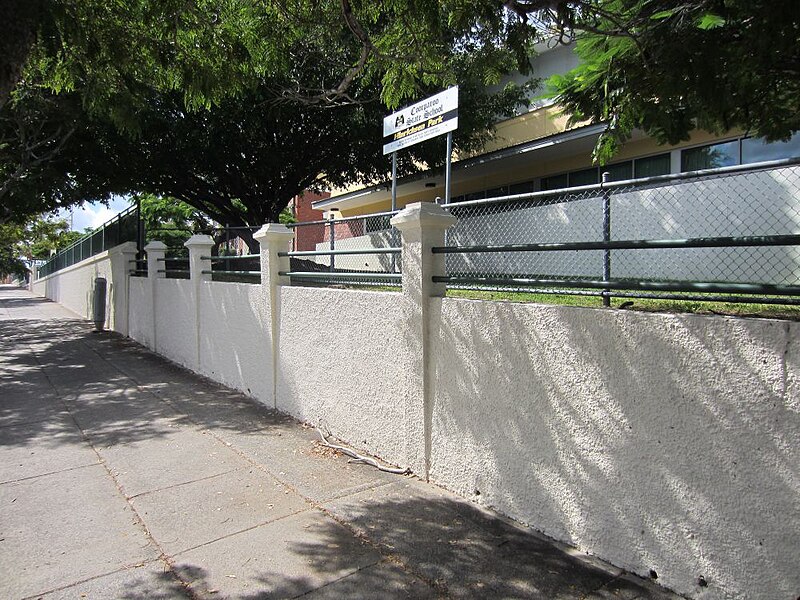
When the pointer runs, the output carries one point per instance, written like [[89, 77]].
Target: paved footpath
[[125, 476]]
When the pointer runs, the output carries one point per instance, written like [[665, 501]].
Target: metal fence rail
[[125, 227], [730, 234], [244, 268], [138, 267], [363, 250], [235, 261]]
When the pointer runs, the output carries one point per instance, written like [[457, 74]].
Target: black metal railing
[[125, 227]]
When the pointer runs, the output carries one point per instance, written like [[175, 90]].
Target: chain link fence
[[362, 250], [726, 231]]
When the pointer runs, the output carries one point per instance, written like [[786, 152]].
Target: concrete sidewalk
[[124, 476]]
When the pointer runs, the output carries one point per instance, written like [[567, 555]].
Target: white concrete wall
[[175, 321], [73, 286], [577, 221], [753, 203], [655, 441], [235, 346], [344, 363], [141, 314]]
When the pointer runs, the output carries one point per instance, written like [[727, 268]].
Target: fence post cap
[[423, 214], [199, 240], [273, 231], [124, 247], [155, 245]]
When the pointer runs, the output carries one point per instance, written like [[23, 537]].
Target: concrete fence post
[[422, 226], [155, 252], [121, 264], [274, 238], [199, 246]]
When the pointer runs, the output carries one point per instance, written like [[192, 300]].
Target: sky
[[95, 214]]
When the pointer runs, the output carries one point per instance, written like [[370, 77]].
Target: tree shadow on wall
[[620, 434]]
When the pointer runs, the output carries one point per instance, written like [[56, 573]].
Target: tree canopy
[[209, 49], [203, 100], [50, 155], [236, 106], [35, 238], [670, 67], [242, 161], [107, 51]]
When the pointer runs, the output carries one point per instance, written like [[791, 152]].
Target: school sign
[[421, 121]]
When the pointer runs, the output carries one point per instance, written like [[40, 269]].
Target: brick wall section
[[308, 237], [347, 229]]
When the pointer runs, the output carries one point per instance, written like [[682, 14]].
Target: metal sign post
[[394, 181], [447, 168]]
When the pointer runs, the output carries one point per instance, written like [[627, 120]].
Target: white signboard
[[421, 121]]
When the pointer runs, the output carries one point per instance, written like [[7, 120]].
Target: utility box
[[99, 303]]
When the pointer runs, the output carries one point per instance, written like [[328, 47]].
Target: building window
[[758, 150], [712, 156], [555, 182], [520, 188], [497, 192], [475, 196], [738, 152], [734, 152], [652, 166], [619, 171], [583, 177]]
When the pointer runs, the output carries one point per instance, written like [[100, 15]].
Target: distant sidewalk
[[125, 476]]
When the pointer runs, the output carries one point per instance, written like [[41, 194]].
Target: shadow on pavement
[[118, 392], [428, 548]]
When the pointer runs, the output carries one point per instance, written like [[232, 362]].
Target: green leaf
[[663, 14], [710, 21]]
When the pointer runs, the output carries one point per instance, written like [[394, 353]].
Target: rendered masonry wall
[[73, 287], [344, 363], [654, 441], [227, 339], [175, 321], [141, 315], [664, 442], [235, 346]]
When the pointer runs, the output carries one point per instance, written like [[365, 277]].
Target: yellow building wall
[[534, 125], [537, 124], [541, 168]]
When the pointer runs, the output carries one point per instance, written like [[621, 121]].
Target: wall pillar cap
[[423, 215], [273, 232], [155, 245], [124, 248], [199, 240]]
